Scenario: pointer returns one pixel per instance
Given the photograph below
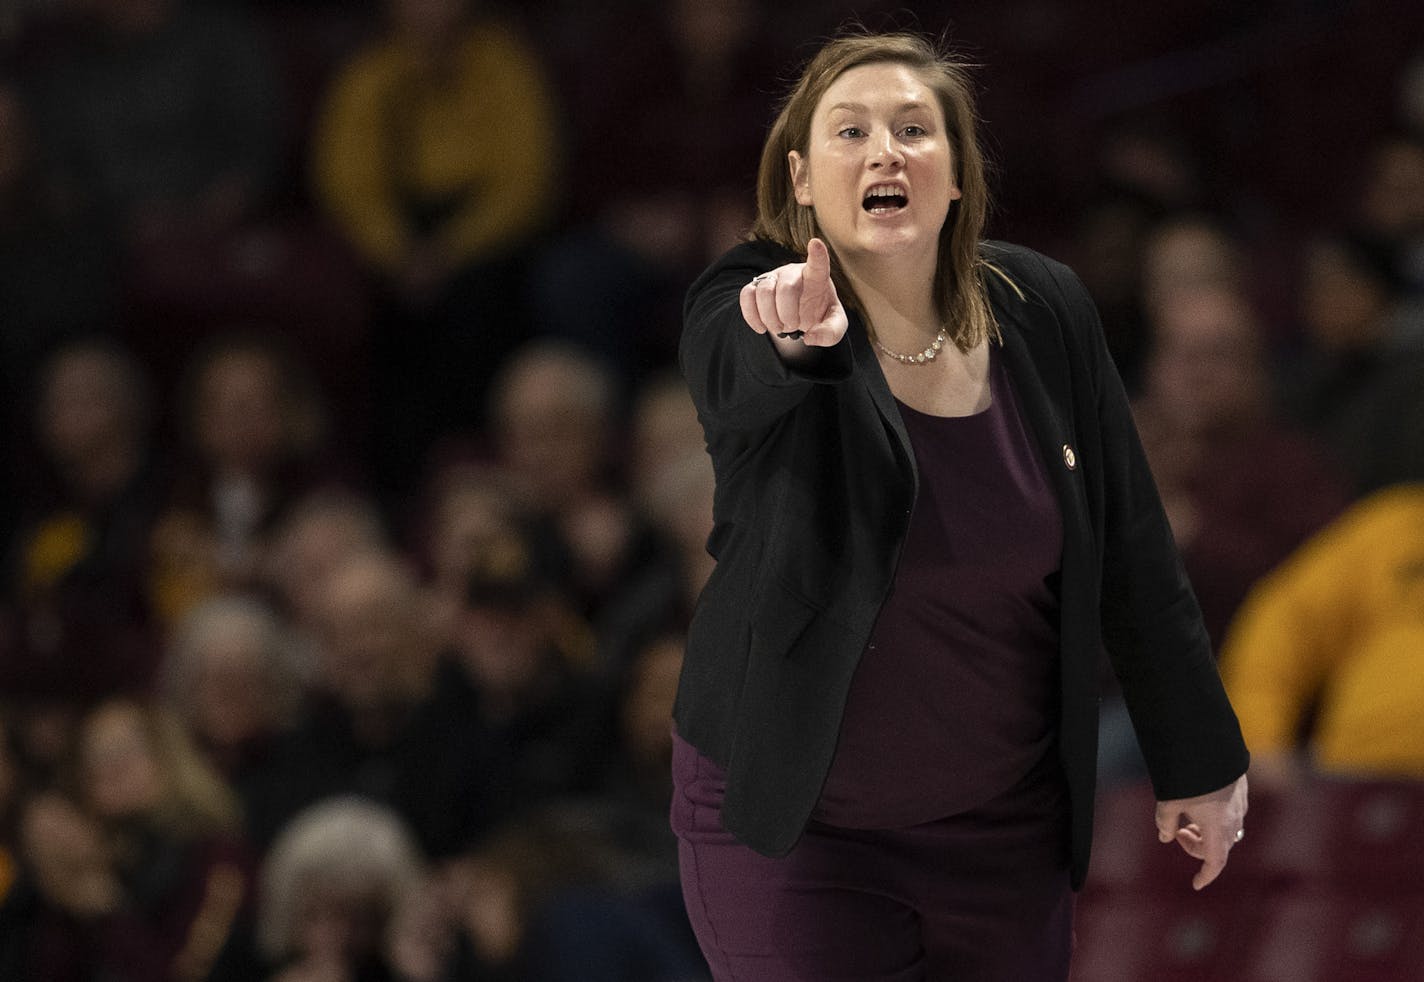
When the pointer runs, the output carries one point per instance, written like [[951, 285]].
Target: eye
[[851, 132], [915, 131]]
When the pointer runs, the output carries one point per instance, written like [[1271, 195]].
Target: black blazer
[[815, 484]]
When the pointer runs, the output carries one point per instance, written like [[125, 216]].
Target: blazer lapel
[[1038, 364], [879, 389]]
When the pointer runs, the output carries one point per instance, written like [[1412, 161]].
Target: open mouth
[[884, 199]]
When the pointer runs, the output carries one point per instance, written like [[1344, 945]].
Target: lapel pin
[[1069, 457]]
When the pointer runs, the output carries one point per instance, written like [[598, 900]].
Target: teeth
[[885, 192]]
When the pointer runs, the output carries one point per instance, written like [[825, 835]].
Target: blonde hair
[[959, 289], [195, 800]]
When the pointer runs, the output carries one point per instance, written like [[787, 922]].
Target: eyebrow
[[860, 107]]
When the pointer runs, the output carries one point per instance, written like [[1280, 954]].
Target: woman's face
[[878, 168], [232, 698], [241, 424], [121, 771], [1205, 370], [336, 926], [84, 409]]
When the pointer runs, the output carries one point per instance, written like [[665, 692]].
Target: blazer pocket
[[779, 618]]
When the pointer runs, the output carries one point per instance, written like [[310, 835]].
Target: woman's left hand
[[1206, 827]]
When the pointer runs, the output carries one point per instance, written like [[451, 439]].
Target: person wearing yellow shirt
[[436, 147], [1336, 636], [435, 154]]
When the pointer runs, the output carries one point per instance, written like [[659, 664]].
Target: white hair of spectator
[[286, 666], [346, 845]]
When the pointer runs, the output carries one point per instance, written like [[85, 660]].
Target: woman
[[931, 512], [255, 429], [333, 885], [142, 874], [435, 154]]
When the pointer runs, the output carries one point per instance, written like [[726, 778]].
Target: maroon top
[[955, 697]]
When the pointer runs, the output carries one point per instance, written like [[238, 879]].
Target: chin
[[887, 243]]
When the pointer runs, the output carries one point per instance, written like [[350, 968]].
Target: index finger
[[818, 262], [817, 290]]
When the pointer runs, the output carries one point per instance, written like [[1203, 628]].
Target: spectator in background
[[56, 280], [662, 597], [664, 427], [478, 917], [477, 519], [68, 887], [1392, 213], [1323, 661], [1240, 488], [387, 718], [643, 765], [436, 154], [672, 483], [1392, 202], [318, 535], [80, 626], [1109, 239], [653, 207], [586, 890], [142, 877], [233, 675], [528, 670], [331, 888], [631, 925], [165, 112], [1151, 158], [254, 427], [1354, 387], [1186, 254], [554, 416], [1144, 170]]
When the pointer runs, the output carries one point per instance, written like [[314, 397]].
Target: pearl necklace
[[927, 355]]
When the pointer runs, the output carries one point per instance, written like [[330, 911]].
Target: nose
[[887, 154]]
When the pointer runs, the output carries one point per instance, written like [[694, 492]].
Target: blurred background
[[354, 509]]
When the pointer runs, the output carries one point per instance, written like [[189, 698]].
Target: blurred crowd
[[356, 509]]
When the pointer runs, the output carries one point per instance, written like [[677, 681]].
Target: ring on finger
[[759, 277]]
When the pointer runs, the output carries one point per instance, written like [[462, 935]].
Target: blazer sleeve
[[738, 381], [1152, 625]]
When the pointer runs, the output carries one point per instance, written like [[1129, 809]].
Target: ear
[[800, 178], [954, 193]]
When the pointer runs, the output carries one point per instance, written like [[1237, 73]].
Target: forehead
[[1213, 317], [883, 86]]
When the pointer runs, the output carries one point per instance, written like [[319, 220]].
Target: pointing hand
[[797, 300]]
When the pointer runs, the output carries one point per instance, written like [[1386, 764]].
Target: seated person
[[1334, 636]]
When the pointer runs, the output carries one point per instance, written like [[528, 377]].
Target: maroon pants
[[982, 896]]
